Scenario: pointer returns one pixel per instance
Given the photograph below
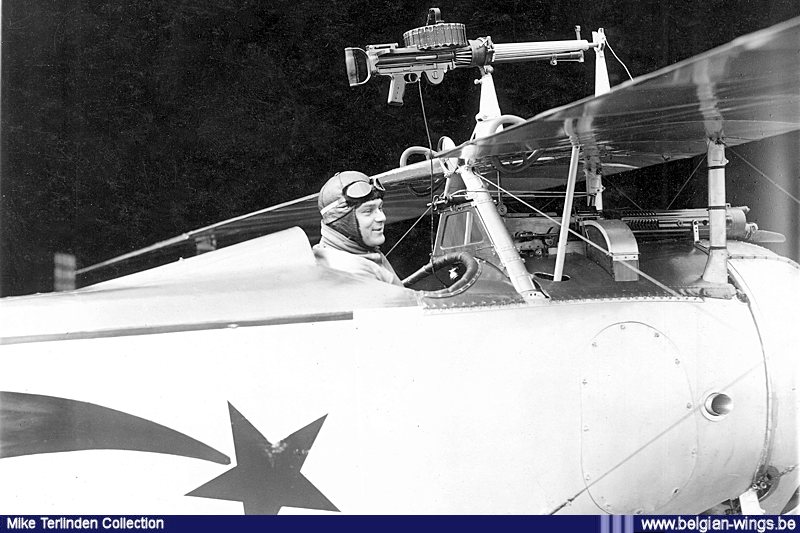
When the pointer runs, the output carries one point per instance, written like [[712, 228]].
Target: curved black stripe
[[32, 423], [176, 328]]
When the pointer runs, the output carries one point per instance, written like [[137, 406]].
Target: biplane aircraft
[[596, 360]]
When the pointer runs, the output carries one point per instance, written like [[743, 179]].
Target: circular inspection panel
[[638, 434]]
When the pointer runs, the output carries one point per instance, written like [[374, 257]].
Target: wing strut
[[601, 83], [716, 270], [594, 176], [503, 244], [563, 234], [482, 200]]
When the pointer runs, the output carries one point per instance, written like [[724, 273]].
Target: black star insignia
[[267, 476]]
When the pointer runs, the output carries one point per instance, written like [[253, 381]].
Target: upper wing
[[743, 91]]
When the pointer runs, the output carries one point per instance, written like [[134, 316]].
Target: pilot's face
[[371, 218]]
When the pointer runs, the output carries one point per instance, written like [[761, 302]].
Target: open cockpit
[[619, 254]]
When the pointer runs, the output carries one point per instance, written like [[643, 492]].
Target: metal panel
[[636, 406], [768, 279], [616, 238]]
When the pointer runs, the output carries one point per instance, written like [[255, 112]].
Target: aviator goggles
[[358, 190]]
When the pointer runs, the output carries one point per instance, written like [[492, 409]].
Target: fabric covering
[[338, 252]]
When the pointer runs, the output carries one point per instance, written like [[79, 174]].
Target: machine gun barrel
[[686, 221], [533, 51]]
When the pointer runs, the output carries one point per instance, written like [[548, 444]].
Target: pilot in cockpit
[[351, 205]]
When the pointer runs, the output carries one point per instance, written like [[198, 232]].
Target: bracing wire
[[430, 147], [787, 193], [686, 182], [587, 241], [616, 188], [618, 59], [408, 231]]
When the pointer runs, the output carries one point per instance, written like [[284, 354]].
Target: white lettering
[[20, 522]]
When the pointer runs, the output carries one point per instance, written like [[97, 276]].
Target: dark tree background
[[128, 122]]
